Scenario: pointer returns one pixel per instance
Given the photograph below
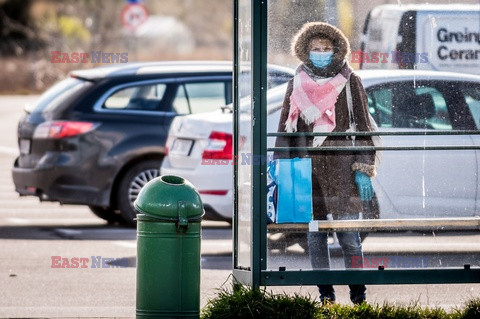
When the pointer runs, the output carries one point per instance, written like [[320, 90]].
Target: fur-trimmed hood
[[301, 41]]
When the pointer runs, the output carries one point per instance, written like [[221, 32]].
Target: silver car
[[409, 184]]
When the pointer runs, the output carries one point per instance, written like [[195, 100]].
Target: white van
[[423, 36]]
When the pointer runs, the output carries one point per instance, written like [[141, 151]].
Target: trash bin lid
[[162, 196]]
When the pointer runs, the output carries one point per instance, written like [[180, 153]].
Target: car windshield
[[56, 94]]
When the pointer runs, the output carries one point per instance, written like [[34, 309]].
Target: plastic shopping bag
[[293, 179]]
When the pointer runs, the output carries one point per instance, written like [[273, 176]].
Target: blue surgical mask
[[321, 59]]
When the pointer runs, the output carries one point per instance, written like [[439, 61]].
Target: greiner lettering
[[444, 53], [467, 36], [443, 35]]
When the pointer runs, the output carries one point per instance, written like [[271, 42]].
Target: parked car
[[98, 136], [409, 184]]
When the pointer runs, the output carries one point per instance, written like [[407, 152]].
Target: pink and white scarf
[[314, 101]]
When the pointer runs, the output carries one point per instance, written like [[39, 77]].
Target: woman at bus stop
[[316, 101]]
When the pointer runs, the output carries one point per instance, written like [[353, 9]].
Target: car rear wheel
[[134, 179], [108, 214]]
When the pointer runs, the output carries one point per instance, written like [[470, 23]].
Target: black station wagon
[[98, 136]]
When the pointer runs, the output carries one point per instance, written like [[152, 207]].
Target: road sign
[[133, 15]]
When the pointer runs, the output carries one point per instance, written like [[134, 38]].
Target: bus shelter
[[407, 243]]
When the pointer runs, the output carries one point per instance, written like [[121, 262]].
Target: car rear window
[[140, 98], [200, 97], [58, 93]]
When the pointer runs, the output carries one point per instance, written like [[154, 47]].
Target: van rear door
[[380, 35]]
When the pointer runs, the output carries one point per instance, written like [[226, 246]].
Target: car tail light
[[62, 129], [168, 144], [219, 146], [220, 192]]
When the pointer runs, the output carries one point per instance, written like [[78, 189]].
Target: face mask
[[321, 59]]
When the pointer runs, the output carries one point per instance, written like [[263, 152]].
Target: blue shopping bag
[[293, 182]]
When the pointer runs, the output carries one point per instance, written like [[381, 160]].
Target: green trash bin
[[168, 249]]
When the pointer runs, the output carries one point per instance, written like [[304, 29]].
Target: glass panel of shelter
[[244, 173], [414, 183]]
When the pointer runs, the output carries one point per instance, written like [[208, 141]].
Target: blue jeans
[[352, 250]]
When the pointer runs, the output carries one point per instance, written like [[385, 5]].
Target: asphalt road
[[31, 233]]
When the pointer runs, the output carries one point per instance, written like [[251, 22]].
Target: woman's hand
[[364, 185]]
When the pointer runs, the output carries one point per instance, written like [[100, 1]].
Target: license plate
[[181, 147], [24, 146]]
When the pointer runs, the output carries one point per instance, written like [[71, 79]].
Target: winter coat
[[333, 184]]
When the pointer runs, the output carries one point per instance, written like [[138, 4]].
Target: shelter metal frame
[[257, 274]]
